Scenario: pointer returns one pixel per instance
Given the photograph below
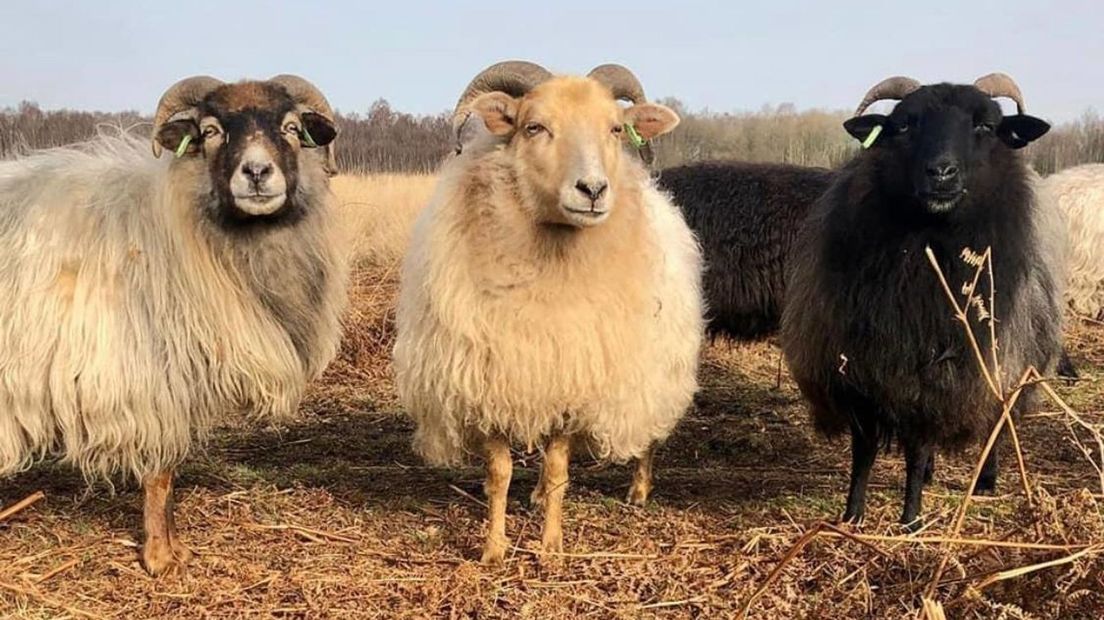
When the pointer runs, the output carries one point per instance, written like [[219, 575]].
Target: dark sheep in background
[[867, 330], [745, 216]]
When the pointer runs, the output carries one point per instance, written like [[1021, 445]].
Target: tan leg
[[554, 476], [642, 479], [162, 550], [540, 492], [499, 469]]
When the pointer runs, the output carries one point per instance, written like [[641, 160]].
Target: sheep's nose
[[592, 188], [943, 171], [257, 172]]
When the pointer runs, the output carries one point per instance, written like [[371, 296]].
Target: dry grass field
[[332, 515]]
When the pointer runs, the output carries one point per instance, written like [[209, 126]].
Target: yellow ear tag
[[183, 148], [872, 136]]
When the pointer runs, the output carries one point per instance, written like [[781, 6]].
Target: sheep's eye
[[533, 129], [983, 128], [210, 131], [617, 129], [291, 128]]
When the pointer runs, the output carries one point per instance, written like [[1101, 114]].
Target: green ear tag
[[183, 148], [307, 139], [872, 136], [635, 138]]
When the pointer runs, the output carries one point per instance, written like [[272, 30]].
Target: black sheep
[[867, 330], [745, 216]]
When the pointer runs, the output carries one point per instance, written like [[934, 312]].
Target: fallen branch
[[21, 505]]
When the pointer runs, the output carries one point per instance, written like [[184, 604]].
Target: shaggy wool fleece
[[1079, 193], [507, 326], [130, 319]]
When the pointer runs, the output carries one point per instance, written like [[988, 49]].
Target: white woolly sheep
[[551, 292], [1079, 193], [144, 298]]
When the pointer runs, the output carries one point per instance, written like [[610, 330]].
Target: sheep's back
[[745, 216], [1079, 194]]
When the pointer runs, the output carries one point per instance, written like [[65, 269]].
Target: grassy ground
[[334, 516]]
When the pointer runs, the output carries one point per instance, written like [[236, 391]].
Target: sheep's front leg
[[642, 479], [554, 474], [162, 550], [499, 469]]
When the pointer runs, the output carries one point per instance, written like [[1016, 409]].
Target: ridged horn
[[513, 77], [621, 81], [1001, 85], [896, 88], [307, 95], [183, 96]]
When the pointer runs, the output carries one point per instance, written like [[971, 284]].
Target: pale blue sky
[[727, 56]]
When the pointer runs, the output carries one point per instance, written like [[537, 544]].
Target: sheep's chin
[[260, 205], [583, 218], [942, 206]]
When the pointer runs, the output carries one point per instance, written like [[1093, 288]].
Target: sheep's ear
[[498, 111], [1020, 130], [171, 136], [651, 119], [320, 128], [860, 126]]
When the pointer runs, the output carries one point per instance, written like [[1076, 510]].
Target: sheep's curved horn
[[305, 94], [1001, 85], [626, 87], [621, 81], [897, 87], [513, 77], [181, 97], [308, 96]]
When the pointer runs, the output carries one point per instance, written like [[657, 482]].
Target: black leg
[[929, 469], [987, 481], [1066, 368], [917, 458], [864, 449]]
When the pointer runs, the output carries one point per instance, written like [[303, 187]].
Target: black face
[[944, 139], [251, 134]]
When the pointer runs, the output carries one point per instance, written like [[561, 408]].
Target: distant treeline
[[384, 140]]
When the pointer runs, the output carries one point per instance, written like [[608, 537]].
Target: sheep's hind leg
[[929, 469], [864, 450], [642, 479], [497, 484], [987, 480], [162, 549], [540, 492], [917, 458], [554, 472]]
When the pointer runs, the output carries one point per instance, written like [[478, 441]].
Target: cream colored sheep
[[551, 293], [1079, 193]]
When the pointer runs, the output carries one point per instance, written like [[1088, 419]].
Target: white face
[[258, 185]]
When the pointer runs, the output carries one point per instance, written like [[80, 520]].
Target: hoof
[[849, 519], [638, 494], [494, 554], [552, 543], [986, 485], [159, 558], [913, 526]]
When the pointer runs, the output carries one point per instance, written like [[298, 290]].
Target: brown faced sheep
[[551, 293], [144, 298]]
